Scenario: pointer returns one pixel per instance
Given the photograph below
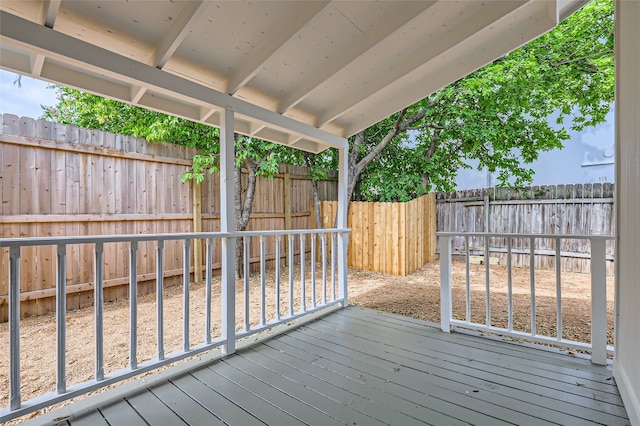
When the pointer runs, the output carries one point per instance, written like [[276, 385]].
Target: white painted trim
[[117, 73], [227, 223], [406, 14], [294, 24], [341, 223], [630, 399], [177, 33], [50, 12], [436, 74]]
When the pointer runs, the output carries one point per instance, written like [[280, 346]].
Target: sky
[[24, 101]]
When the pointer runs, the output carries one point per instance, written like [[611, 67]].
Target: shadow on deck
[[357, 366]]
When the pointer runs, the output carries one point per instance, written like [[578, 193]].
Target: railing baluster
[[186, 282], [445, 284], [247, 260], [14, 328], [278, 246], [468, 284], [324, 268], [598, 301], [313, 270], [228, 296], [334, 251], [61, 319], [487, 262], [133, 305], [208, 285], [303, 272], [343, 290], [558, 262], [509, 287], [532, 282], [291, 257], [160, 299], [98, 302], [263, 284]]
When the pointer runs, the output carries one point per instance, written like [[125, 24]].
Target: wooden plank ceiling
[[304, 74]]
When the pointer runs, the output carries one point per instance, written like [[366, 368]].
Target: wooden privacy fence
[[392, 238], [582, 209], [59, 180]]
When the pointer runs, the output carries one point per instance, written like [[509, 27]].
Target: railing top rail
[[91, 239], [510, 235], [292, 231]]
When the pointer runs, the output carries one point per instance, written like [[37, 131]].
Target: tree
[[499, 115], [258, 157]]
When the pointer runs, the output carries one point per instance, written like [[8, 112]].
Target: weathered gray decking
[[361, 367]]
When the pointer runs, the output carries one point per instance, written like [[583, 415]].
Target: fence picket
[[399, 237]]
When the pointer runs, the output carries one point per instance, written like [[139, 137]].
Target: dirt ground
[[416, 295]]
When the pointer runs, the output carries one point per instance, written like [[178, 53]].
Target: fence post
[[445, 284], [598, 301]]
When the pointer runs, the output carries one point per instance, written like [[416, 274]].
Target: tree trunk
[[316, 204], [243, 207], [401, 125]]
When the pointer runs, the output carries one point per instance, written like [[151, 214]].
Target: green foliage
[[94, 112], [500, 114]]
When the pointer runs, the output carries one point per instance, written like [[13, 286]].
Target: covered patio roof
[[303, 74]]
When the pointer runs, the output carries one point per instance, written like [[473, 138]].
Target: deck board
[[183, 405], [518, 395], [361, 367], [603, 390], [92, 419], [147, 406]]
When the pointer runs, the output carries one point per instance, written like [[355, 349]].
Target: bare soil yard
[[416, 295]]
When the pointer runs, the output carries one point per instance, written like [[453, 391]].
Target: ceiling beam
[[422, 53], [36, 65], [117, 74], [389, 25], [483, 48], [177, 32], [289, 28], [50, 10], [137, 93]]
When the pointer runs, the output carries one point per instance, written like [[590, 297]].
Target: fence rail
[[599, 322], [330, 289]]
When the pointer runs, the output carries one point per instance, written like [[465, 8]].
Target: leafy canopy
[[502, 115]]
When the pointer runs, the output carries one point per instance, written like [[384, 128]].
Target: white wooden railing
[[597, 346], [330, 288]]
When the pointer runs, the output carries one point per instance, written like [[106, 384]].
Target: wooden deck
[[362, 367]]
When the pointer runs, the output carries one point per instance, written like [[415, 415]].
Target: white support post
[[598, 301], [227, 218], [341, 223], [445, 284]]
